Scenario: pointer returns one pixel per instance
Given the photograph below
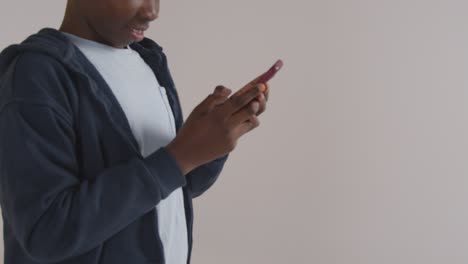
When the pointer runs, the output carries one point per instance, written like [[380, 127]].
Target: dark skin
[[108, 21], [215, 125]]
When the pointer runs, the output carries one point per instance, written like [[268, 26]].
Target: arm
[[53, 213]]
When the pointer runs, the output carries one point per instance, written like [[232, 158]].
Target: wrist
[[181, 157]]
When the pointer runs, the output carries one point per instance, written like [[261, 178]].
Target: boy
[[96, 163]]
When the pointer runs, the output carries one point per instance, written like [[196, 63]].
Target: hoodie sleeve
[[203, 177], [53, 213], [200, 179]]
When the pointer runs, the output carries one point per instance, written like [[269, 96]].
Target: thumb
[[221, 91], [219, 96]]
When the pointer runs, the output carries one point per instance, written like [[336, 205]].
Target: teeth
[[137, 31]]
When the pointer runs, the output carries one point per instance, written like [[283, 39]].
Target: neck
[[76, 24]]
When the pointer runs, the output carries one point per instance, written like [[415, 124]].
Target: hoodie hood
[[55, 44]]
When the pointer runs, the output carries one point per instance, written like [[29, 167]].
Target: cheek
[[112, 28], [116, 14], [111, 19]]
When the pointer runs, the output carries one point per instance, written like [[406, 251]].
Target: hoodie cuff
[[166, 171]]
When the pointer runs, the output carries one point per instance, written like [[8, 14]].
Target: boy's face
[[118, 22]]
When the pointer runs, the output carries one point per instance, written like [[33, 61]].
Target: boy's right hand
[[215, 125]]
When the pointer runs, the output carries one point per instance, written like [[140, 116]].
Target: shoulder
[[31, 65], [32, 70], [37, 78]]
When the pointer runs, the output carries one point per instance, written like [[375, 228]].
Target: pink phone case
[[271, 72]]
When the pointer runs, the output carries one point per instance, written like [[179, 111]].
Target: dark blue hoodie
[[74, 187]]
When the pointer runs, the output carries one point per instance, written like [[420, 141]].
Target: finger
[[236, 102], [262, 101], [243, 115], [220, 90], [266, 92], [219, 96], [247, 126], [248, 86]]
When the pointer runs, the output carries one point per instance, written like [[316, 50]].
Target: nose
[[150, 10]]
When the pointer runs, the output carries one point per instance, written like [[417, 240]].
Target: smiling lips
[[138, 33]]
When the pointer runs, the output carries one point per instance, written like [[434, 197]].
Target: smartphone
[[271, 72], [264, 78]]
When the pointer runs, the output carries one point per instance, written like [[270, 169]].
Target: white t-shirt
[[148, 111]]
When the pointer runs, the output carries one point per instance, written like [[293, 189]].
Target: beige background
[[361, 156]]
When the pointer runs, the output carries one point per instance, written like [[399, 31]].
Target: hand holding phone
[[236, 119], [264, 78]]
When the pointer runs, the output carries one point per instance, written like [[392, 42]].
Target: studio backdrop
[[362, 154]]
